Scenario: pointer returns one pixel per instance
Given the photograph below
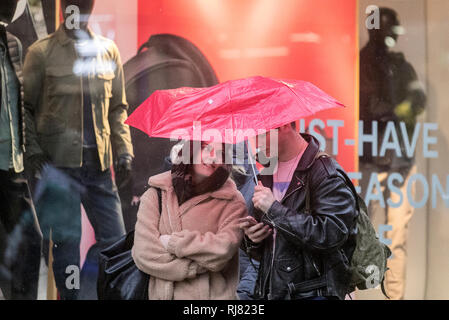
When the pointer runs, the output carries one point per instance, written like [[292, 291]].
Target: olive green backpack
[[369, 260]]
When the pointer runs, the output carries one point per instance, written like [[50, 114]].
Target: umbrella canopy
[[255, 105]]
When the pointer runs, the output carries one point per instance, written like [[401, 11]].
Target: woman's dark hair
[[182, 174]]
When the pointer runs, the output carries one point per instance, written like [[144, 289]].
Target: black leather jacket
[[310, 252]]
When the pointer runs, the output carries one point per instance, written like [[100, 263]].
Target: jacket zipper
[[314, 265], [263, 286], [313, 262], [318, 272], [293, 191], [270, 285], [272, 262]]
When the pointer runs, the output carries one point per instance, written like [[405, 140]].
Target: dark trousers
[[20, 239], [96, 191]]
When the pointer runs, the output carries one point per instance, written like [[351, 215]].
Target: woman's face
[[208, 160]]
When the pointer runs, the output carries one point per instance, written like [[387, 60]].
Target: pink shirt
[[283, 176]]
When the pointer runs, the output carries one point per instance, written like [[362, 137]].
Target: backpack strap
[[351, 186], [345, 176], [308, 197], [382, 285]]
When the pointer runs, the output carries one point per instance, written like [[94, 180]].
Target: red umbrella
[[255, 104]]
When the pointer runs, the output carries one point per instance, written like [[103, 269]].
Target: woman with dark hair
[[190, 248]]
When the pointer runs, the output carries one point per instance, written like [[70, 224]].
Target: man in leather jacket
[[303, 255]]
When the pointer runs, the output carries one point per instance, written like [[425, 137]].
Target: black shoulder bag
[[118, 277]]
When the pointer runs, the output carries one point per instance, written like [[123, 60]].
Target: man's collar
[[310, 153]]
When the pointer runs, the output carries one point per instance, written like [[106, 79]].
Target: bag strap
[[345, 176], [159, 198]]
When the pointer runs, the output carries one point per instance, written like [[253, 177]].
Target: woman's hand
[[164, 239], [135, 201]]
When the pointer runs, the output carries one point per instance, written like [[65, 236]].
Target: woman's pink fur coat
[[201, 261]]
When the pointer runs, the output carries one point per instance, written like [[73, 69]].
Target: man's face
[[85, 8], [388, 31], [7, 10], [209, 159], [268, 143], [263, 143], [388, 25]]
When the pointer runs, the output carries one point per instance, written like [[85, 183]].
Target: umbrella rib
[[265, 118], [296, 95], [232, 111]]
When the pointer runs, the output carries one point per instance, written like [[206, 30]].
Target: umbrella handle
[[251, 161]]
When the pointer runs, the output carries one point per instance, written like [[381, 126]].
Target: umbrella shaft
[[251, 160]]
